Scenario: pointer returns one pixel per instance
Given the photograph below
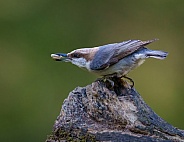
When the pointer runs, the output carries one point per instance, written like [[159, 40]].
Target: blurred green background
[[33, 86]]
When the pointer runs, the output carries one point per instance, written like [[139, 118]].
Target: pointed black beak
[[60, 57]]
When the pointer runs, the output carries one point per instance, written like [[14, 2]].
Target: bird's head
[[79, 57]]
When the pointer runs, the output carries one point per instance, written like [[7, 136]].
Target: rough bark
[[102, 112]]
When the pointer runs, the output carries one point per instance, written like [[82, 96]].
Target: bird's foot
[[130, 80], [111, 80], [106, 79]]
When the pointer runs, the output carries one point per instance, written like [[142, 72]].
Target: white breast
[[123, 67]]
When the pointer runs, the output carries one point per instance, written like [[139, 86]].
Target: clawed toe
[[107, 79], [131, 80], [110, 80]]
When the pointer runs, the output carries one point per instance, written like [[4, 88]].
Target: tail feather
[[157, 54]]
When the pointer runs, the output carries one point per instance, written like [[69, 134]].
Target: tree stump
[[102, 112]]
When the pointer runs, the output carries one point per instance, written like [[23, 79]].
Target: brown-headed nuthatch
[[116, 59]]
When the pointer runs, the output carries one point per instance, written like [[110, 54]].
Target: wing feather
[[111, 53]]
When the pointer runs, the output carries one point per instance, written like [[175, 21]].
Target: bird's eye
[[76, 55]]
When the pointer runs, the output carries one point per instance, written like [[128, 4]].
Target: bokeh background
[[33, 86]]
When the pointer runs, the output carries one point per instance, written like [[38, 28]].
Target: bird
[[112, 60]]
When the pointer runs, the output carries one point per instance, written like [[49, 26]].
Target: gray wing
[[110, 54]]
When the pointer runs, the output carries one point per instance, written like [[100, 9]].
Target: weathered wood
[[102, 112]]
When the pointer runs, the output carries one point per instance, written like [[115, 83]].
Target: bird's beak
[[60, 57]]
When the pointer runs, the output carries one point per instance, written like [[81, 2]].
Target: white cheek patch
[[80, 62], [88, 65]]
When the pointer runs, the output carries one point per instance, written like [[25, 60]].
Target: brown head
[[80, 57]]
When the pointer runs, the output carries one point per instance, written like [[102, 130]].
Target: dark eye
[[76, 55]]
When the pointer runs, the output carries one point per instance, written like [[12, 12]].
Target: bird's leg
[[110, 81], [108, 78], [131, 80], [105, 79]]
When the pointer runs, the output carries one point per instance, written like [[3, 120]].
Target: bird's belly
[[121, 68]]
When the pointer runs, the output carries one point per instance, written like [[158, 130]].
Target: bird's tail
[[157, 54]]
